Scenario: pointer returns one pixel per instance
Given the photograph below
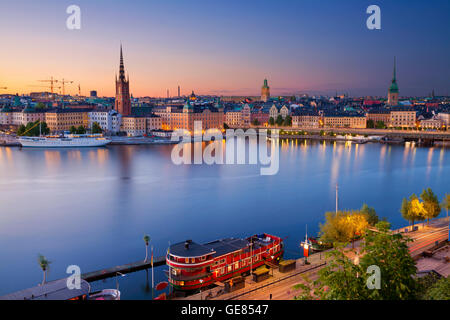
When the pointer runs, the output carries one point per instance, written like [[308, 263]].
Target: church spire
[[122, 67], [394, 79]]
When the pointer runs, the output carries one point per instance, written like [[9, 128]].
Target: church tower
[[123, 102], [265, 91], [393, 89]]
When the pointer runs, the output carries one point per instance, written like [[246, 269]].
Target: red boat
[[193, 265]]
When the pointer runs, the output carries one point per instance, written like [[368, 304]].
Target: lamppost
[[272, 262], [117, 281], [201, 283]]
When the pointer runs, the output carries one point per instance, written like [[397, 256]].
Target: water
[[91, 207]]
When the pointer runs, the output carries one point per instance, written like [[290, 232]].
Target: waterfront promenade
[[280, 285]]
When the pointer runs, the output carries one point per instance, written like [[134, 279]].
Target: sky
[[227, 47]]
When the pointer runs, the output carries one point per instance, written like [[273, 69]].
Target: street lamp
[[272, 262], [117, 281]]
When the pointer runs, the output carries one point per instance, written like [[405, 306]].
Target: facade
[[140, 125], [174, 118], [306, 120], [123, 101], [403, 118], [110, 121], [261, 116], [246, 116], [444, 117], [63, 119], [233, 118], [393, 89], [265, 91], [382, 115], [433, 123], [273, 112], [344, 121]]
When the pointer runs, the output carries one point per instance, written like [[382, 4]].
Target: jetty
[[123, 269]]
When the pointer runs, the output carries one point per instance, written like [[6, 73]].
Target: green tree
[[255, 122], [73, 130], [96, 128], [279, 120], [44, 264], [370, 213], [370, 124], [430, 204], [288, 121], [21, 130], [33, 129], [344, 279], [225, 126], [40, 105], [439, 291], [380, 125], [271, 121], [445, 204], [81, 130]]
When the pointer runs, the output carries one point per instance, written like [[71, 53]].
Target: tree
[[255, 122], [439, 291], [343, 226], [430, 204], [380, 125], [288, 121], [271, 121], [279, 120], [390, 252], [344, 279], [225, 126], [445, 204], [40, 105], [370, 213], [44, 264], [96, 128], [146, 240], [412, 210], [33, 129], [370, 124], [81, 130], [73, 130]]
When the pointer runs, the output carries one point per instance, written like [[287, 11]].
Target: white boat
[[107, 294], [69, 141]]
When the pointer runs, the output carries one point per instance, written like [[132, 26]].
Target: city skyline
[[228, 49]]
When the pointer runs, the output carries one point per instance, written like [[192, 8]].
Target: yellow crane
[[51, 81], [63, 82]]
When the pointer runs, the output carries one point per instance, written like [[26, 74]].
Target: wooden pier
[[126, 268]]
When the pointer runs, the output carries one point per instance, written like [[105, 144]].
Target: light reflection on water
[[91, 207]]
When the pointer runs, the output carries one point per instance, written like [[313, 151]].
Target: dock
[[126, 268]]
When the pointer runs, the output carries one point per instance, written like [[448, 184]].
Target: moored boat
[[69, 141], [193, 266], [106, 294]]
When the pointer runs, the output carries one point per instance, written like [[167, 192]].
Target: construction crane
[[63, 82], [50, 86], [52, 83], [3, 88]]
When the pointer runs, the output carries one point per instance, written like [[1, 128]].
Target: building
[[233, 118], [444, 117], [344, 121], [433, 123], [93, 94], [246, 116], [123, 101], [393, 89], [382, 115], [265, 91], [109, 120], [261, 117], [63, 119], [304, 119], [404, 118], [174, 118]]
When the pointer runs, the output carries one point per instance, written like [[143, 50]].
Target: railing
[[276, 281]]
